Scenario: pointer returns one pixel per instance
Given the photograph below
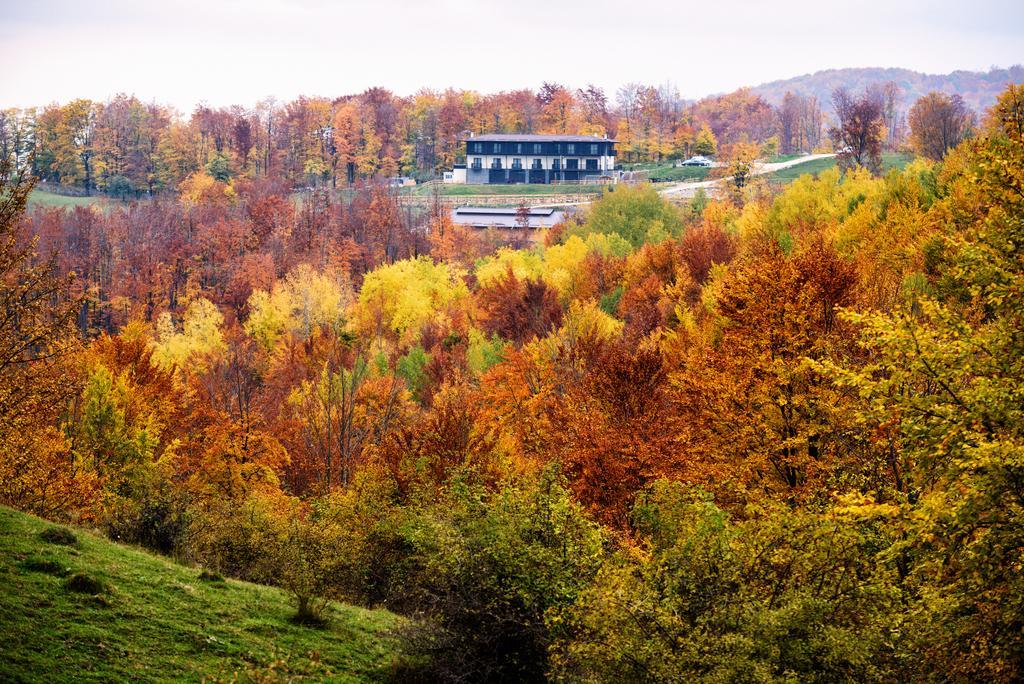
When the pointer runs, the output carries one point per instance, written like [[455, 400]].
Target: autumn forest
[[769, 431]]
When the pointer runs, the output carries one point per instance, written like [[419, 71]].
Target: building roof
[[529, 137], [506, 217], [504, 211]]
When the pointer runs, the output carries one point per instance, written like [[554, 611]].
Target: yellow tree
[[368, 161], [705, 142], [398, 299], [321, 157], [73, 149]]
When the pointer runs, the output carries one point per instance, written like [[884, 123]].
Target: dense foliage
[[774, 436], [127, 148]]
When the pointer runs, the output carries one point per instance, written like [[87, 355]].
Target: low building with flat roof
[[514, 158], [507, 217]]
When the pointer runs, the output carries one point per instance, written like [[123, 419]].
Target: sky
[[222, 52]]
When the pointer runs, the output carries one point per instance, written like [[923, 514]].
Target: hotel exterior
[[509, 158]]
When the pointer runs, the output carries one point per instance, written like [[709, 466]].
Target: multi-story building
[[507, 158]]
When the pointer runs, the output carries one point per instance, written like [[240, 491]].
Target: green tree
[[637, 214], [219, 167], [490, 569]]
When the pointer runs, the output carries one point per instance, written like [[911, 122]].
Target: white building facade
[[511, 158]]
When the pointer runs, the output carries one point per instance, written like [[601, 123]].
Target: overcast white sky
[[240, 51]]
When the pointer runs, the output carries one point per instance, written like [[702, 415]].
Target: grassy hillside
[[93, 611], [668, 172], [816, 166], [41, 198]]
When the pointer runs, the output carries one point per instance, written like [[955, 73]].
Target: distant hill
[[78, 608], [978, 88]]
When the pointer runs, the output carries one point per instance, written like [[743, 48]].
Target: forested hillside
[[979, 89]]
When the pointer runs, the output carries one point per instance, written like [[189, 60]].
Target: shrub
[[233, 537], [206, 575], [81, 583], [147, 510], [59, 535], [780, 596], [302, 564], [44, 565], [487, 570], [271, 538]]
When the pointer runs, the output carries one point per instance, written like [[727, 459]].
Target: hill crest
[[979, 89]]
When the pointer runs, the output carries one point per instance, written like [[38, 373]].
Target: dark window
[[478, 148], [536, 148], [558, 148], [477, 163], [496, 163], [556, 164], [572, 164], [593, 148], [517, 163], [497, 148], [519, 148], [571, 149], [537, 164], [591, 165]]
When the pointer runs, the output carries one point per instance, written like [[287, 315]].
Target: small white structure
[[456, 176]]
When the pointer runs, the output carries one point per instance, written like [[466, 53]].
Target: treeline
[[126, 147], [768, 437], [979, 89]]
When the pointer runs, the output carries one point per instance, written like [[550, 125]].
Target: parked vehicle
[[698, 160]]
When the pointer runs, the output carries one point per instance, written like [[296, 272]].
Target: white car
[[698, 160]]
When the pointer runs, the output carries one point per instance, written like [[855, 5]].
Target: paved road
[[689, 188]]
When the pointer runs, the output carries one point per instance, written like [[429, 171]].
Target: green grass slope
[[94, 611], [890, 160], [41, 198]]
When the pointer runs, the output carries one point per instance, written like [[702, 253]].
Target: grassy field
[[816, 166], [95, 611], [673, 174], [666, 171], [41, 198]]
